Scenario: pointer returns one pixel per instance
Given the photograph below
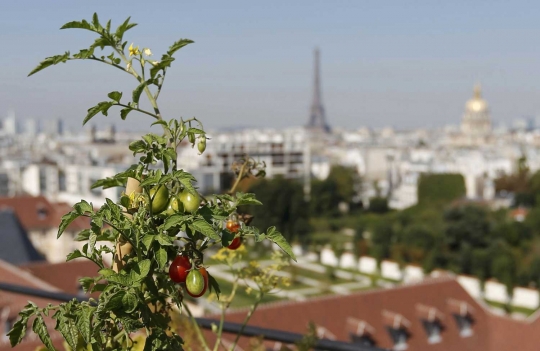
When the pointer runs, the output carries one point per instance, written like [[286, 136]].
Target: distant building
[[317, 118], [476, 121]]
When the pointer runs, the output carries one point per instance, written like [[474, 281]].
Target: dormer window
[[398, 328], [41, 212], [464, 323], [360, 332], [399, 337], [431, 319], [463, 315], [433, 330]]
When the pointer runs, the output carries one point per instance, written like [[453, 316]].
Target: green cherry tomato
[[202, 145], [195, 283], [159, 198], [175, 206], [191, 202]]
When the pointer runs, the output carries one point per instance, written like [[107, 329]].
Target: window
[[42, 180], [464, 323], [399, 337], [362, 340], [62, 181], [433, 329]]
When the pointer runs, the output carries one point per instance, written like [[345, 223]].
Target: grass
[[241, 298], [513, 309]]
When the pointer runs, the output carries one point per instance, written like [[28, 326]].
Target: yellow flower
[[133, 51]]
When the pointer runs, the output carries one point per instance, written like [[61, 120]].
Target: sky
[[401, 64]]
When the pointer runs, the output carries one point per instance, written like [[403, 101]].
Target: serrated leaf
[[161, 122], [164, 240], [40, 328], [92, 243], [140, 270], [246, 199], [115, 95], [161, 257], [106, 272], [83, 235], [78, 24], [73, 255], [82, 207], [177, 45], [130, 302], [84, 322], [273, 235], [66, 221], [137, 146], [204, 228], [173, 221], [50, 61], [147, 240], [123, 28], [67, 328], [102, 107], [116, 300], [226, 238], [17, 333]]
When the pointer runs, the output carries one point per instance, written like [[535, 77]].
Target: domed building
[[476, 121]]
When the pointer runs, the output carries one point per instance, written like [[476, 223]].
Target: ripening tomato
[[197, 282], [179, 269], [235, 244], [233, 226]]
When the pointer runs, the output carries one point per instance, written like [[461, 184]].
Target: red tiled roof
[[37, 213], [410, 304], [64, 275], [13, 303]]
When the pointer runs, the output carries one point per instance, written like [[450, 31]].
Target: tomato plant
[[158, 231]]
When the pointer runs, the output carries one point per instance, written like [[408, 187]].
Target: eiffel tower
[[317, 119]]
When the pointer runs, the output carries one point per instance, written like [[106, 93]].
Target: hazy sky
[[384, 63]]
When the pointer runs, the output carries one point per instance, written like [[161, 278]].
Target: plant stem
[[224, 306], [197, 328], [246, 320], [138, 110], [239, 178]]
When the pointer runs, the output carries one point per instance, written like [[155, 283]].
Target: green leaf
[[92, 243], [115, 95], [17, 333], [66, 327], [66, 221], [49, 61], [107, 183], [130, 302], [78, 24], [82, 207], [140, 270], [161, 257], [102, 107], [214, 285], [40, 328], [147, 240], [246, 199], [177, 45], [137, 146], [161, 122], [124, 112], [116, 300], [273, 235], [139, 89], [83, 235], [84, 322], [73, 255], [164, 240], [106, 272], [204, 228], [123, 28]]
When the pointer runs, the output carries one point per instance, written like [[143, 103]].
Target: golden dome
[[476, 104]]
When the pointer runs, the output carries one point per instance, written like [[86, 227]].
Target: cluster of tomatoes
[[195, 277], [165, 205]]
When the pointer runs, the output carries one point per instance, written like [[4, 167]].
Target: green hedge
[[440, 187]]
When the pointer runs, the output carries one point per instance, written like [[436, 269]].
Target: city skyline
[[405, 66]]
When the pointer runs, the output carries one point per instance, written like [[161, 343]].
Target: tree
[[378, 205], [283, 206], [440, 187], [382, 238]]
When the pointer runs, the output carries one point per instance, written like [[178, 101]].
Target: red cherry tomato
[[233, 226], [204, 273], [235, 244], [178, 270]]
